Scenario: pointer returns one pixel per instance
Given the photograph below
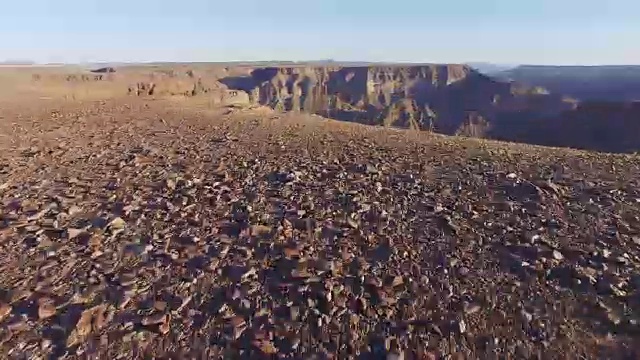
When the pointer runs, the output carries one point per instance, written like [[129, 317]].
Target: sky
[[584, 32]]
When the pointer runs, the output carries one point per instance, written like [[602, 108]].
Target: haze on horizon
[[580, 32]]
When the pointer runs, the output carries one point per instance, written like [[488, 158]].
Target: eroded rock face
[[601, 126], [445, 98]]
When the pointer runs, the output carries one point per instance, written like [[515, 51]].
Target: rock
[[239, 325], [462, 326], [74, 233], [32, 228], [463, 271], [290, 253], [73, 210], [82, 329], [117, 224], [526, 316], [170, 183], [397, 281], [160, 305], [46, 308], [352, 222], [266, 347], [535, 238], [370, 169], [428, 355], [260, 230], [5, 310], [158, 318], [472, 309], [164, 328], [436, 329], [613, 318], [557, 255], [249, 273], [294, 312]]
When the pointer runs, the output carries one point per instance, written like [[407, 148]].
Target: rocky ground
[[132, 230]]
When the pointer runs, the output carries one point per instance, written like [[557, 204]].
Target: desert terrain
[[206, 211]]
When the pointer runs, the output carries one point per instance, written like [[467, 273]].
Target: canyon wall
[[450, 99]]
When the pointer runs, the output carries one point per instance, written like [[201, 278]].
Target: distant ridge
[[490, 68], [587, 83], [15, 62]]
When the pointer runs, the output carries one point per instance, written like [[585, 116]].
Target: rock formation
[[451, 99], [602, 126], [103, 70]]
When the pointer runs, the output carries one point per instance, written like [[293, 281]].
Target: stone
[[46, 308], [557, 255], [5, 310], [117, 224]]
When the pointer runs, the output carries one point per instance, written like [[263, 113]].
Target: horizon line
[[13, 62]]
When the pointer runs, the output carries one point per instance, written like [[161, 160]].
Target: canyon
[[448, 99]]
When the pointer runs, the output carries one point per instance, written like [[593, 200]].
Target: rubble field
[[137, 228]]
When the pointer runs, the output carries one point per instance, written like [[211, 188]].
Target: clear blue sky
[[502, 31]]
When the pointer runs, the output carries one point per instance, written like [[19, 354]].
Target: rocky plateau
[[176, 225]]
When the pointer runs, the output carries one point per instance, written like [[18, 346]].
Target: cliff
[[450, 99], [601, 126]]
